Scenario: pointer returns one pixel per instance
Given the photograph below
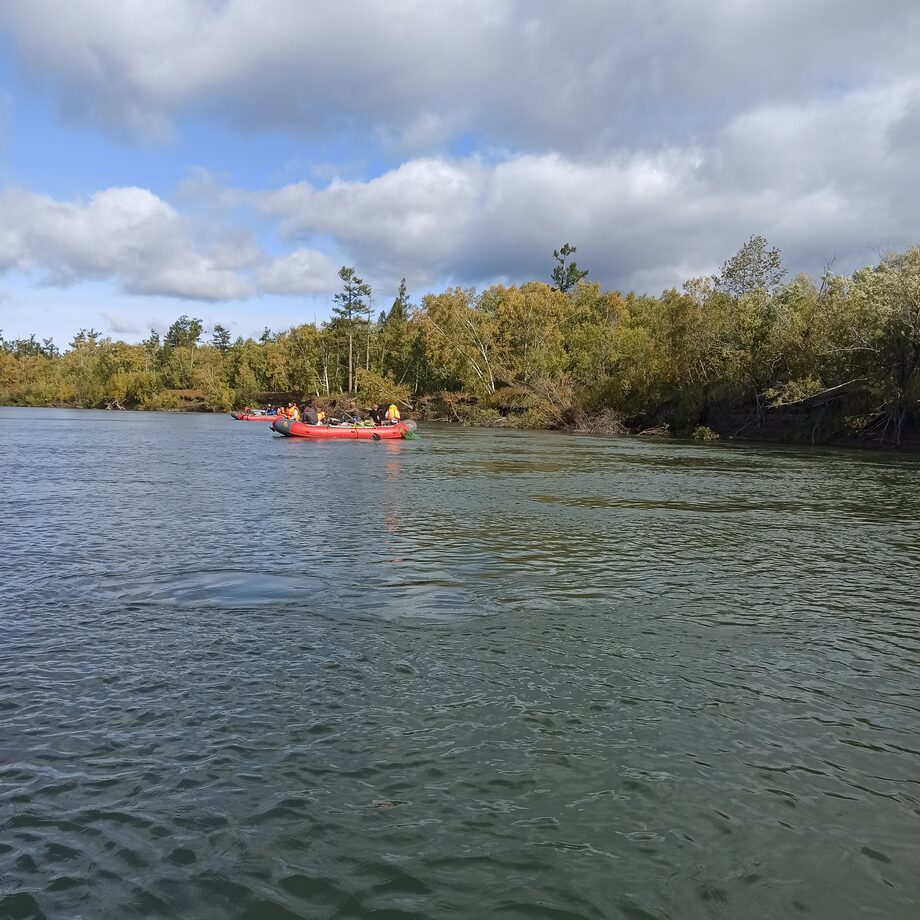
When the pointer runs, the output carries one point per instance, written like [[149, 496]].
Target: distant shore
[[745, 354], [802, 425]]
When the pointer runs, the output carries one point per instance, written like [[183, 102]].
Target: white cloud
[[655, 136], [814, 178], [302, 272], [120, 324], [820, 179], [578, 77], [125, 234], [413, 212]]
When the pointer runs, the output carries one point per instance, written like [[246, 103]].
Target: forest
[[748, 353]]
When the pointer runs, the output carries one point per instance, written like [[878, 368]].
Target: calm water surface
[[484, 674]]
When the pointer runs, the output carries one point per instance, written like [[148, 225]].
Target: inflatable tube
[[292, 429], [242, 417]]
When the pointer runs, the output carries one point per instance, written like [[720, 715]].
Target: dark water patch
[[719, 506], [20, 906]]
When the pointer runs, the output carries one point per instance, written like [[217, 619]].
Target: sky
[[224, 158]]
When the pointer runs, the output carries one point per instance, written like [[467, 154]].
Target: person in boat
[[350, 415], [320, 417], [269, 410], [332, 415], [293, 412], [376, 414], [392, 414], [309, 414]]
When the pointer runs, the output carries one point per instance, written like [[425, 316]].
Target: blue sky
[[224, 159]]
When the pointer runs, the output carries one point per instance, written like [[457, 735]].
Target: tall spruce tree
[[566, 274], [395, 339], [220, 337], [183, 333], [351, 303]]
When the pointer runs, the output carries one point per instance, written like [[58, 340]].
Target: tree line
[[722, 354]]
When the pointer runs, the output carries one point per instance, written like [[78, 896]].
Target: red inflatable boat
[[242, 417], [292, 429]]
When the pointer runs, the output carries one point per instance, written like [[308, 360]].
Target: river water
[[482, 674]]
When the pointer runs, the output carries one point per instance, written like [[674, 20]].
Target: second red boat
[[244, 417]]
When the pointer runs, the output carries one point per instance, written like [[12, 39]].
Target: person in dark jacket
[[376, 414], [309, 414]]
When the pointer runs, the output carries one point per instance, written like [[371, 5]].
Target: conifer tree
[[351, 303], [566, 276]]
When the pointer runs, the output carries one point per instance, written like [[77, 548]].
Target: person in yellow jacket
[[320, 417], [392, 416], [293, 412]]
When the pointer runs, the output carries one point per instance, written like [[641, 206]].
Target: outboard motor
[[283, 426]]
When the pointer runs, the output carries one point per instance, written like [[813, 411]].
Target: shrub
[[704, 433]]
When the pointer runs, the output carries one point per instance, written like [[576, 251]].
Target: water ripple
[[483, 674]]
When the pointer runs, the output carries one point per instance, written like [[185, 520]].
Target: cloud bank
[[822, 180], [656, 137], [530, 74]]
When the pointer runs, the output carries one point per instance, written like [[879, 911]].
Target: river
[[482, 674]]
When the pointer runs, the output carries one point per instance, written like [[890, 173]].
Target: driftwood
[[606, 421], [822, 398], [818, 400], [657, 431], [115, 404]]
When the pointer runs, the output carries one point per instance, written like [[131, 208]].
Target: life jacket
[[294, 413], [320, 416], [392, 414]]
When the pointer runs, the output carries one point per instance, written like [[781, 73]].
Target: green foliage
[[480, 416], [704, 433], [351, 301], [396, 339], [590, 330], [220, 337], [754, 268], [294, 363], [794, 391], [460, 337], [381, 389], [566, 274], [183, 333], [161, 401], [528, 340], [540, 356], [351, 304]]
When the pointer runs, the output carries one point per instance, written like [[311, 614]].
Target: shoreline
[[599, 425]]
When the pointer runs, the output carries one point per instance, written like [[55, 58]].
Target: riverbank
[[809, 422], [796, 361], [830, 419]]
